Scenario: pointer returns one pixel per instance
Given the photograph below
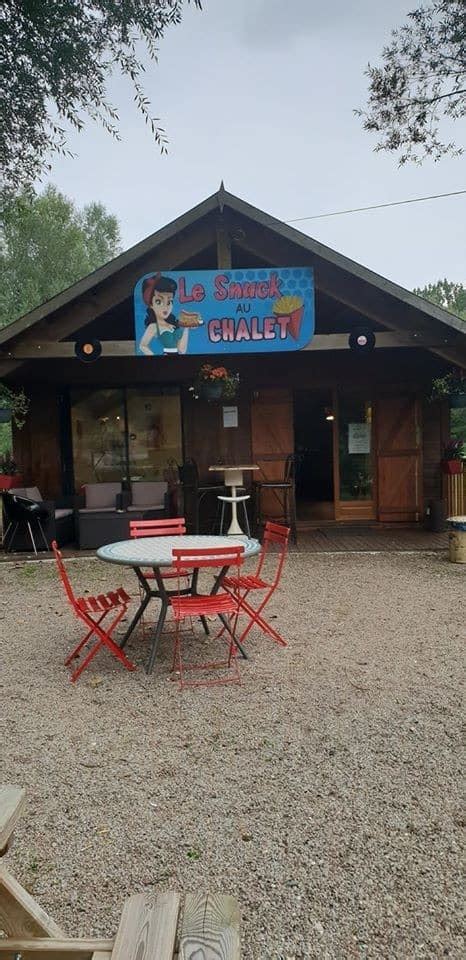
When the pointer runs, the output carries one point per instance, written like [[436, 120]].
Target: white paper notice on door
[[359, 438], [230, 416]]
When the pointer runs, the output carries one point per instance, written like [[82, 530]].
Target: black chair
[[194, 493], [285, 495], [21, 515]]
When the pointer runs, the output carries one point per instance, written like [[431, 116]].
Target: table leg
[[194, 580], [227, 627], [142, 606], [157, 634]]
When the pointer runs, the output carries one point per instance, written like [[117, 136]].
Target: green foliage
[[421, 80], [6, 440], [56, 59], [46, 245], [451, 296], [16, 401], [458, 425]]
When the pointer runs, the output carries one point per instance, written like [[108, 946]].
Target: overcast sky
[[260, 93]]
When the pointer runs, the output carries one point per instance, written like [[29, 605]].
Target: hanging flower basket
[[451, 387], [215, 383]]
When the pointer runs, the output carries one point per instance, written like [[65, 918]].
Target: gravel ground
[[324, 792]]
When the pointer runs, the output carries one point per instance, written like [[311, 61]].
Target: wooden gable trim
[[449, 343], [358, 288]]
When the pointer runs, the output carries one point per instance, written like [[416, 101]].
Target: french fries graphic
[[292, 307]]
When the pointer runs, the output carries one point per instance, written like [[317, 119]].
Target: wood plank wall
[[435, 417], [37, 445]]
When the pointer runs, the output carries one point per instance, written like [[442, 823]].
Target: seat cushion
[[62, 512], [148, 493], [91, 510], [18, 491], [101, 495], [33, 493], [147, 508]]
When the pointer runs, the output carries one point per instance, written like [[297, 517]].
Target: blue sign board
[[224, 311]]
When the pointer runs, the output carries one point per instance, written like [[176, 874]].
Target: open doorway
[[313, 431]]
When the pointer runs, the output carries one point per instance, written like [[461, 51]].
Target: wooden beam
[[210, 927], [20, 915], [373, 303], [147, 929], [56, 949], [223, 244], [126, 348], [12, 800]]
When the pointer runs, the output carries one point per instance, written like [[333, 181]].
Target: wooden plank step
[[53, 949], [12, 801], [147, 929], [20, 915], [210, 928]]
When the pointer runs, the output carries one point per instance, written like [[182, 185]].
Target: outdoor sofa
[[104, 510]]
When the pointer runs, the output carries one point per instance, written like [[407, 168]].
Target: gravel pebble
[[324, 792]]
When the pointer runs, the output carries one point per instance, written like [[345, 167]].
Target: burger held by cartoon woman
[[158, 294]]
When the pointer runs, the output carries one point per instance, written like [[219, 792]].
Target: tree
[[422, 79], [451, 296], [56, 59], [46, 245]]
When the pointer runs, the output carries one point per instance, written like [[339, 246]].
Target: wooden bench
[[150, 928]]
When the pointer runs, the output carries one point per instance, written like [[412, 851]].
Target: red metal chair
[[223, 604], [92, 611], [275, 535], [173, 527]]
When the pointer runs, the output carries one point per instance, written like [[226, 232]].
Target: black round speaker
[[362, 339], [88, 350]]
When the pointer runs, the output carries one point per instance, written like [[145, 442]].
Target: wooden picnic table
[[150, 928]]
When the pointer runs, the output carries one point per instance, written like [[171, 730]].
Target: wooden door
[[272, 434], [399, 458]]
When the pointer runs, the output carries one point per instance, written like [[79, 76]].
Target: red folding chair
[[223, 604], [173, 527], [274, 545], [93, 610]]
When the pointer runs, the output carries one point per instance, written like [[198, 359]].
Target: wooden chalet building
[[369, 439]]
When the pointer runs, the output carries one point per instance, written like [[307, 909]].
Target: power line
[[377, 206]]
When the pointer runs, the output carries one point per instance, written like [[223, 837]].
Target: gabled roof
[[219, 201]]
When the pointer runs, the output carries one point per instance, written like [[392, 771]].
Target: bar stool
[[234, 520], [285, 491]]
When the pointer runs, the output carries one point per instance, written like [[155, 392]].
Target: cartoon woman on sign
[[158, 293]]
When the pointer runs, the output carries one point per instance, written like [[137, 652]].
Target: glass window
[[98, 432], [355, 448], [101, 446], [154, 433]]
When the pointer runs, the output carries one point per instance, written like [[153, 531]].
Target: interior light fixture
[[329, 414]]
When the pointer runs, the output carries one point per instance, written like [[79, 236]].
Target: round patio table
[[154, 553]]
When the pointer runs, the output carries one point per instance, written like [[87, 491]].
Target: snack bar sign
[[224, 311]]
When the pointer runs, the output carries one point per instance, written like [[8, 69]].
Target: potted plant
[[215, 383], [452, 387], [14, 405], [452, 461], [9, 475]]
